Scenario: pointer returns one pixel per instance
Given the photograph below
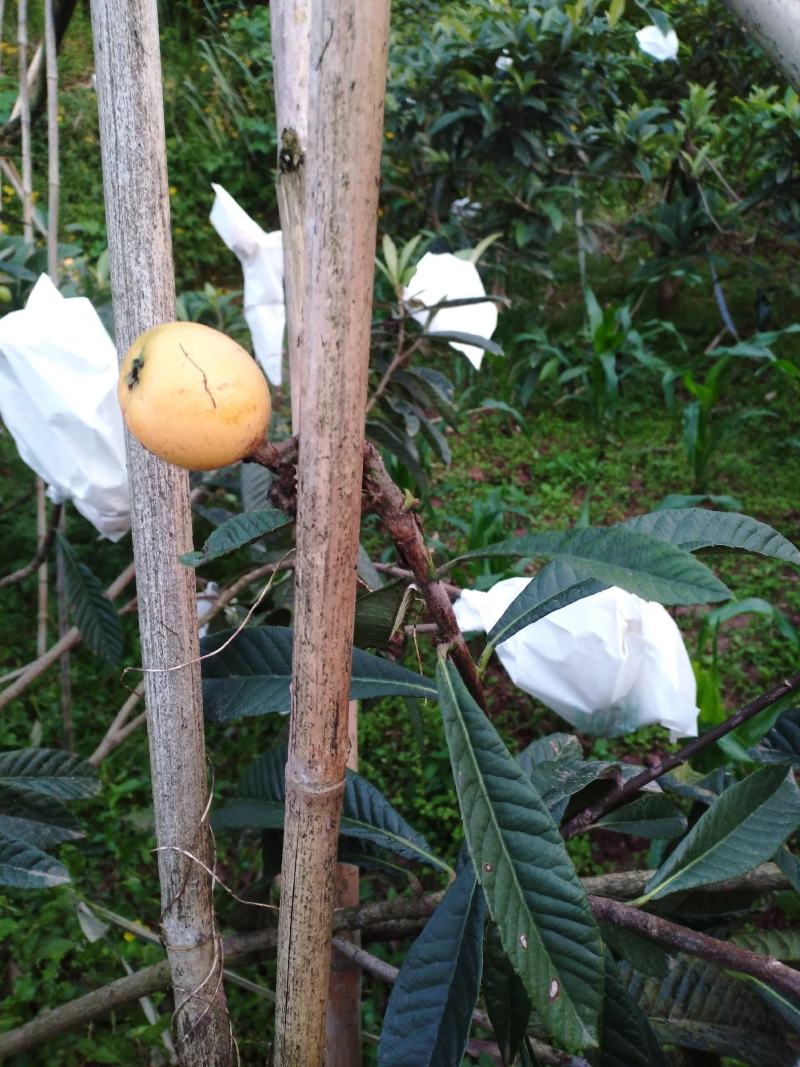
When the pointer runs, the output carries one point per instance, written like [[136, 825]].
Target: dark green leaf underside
[[430, 1009], [92, 612], [251, 676], [235, 533]]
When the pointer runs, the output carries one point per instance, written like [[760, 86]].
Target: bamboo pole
[[291, 44], [27, 235], [776, 26], [25, 121], [53, 178], [343, 1014], [41, 573], [51, 66], [346, 90], [133, 150]]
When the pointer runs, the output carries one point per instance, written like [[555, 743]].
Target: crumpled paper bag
[[58, 398], [261, 256], [443, 276], [608, 664], [661, 46]]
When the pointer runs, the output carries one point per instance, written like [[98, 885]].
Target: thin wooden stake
[[135, 182], [346, 90], [291, 44], [25, 122], [343, 1017], [41, 533], [51, 65], [53, 178]]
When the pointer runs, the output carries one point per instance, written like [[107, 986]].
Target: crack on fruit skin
[[132, 377], [203, 373]]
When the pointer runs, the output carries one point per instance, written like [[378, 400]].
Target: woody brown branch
[[622, 792], [382, 919], [382, 496]]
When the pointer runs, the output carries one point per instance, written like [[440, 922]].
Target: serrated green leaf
[[460, 338], [256, 482], [781, 1003], [556, 782], [377, 612], [781, 743], [781, 944], [790, 866], [429, 388], [92, 612], [40, 820], [23, 866], [616, 9], [48, 771], [552, 748], [696, 528], [699, 1006], [366, 813], [436, 438], [235, 533], [507, 1003], [530, 884], [367, 571], [390, 257], [626, 1037], [651, 816], [556, 766], [743, 828], [645, 956], [252, 675], [637, 562], [430, 1009]]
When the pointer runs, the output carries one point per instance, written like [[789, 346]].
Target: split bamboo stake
[[27, 235], [133, 150], [53, 177], [776, 26], [291, 44], [41, 534], [343, 1014], [51, 66], [346, 90], [25, 121]]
